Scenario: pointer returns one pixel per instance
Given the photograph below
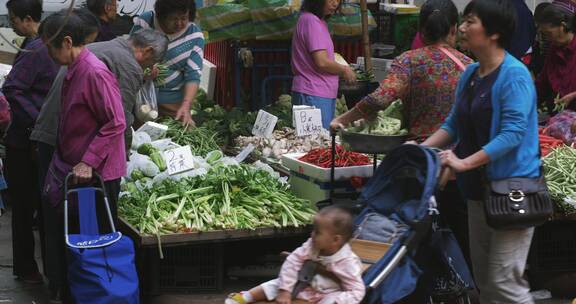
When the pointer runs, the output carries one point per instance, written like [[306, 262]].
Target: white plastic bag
[[140, 138], [144, 164], [146, 102]]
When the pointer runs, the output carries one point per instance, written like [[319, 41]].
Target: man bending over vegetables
[[127, 60]]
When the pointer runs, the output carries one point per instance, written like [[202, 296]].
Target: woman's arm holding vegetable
[[324, 64], [394, 87]]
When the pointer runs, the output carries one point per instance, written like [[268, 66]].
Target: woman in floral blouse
[[424, 79]]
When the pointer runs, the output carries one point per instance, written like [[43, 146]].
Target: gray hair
[[150, 38]]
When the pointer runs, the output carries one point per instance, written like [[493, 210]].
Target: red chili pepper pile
[[548, 143], [322, 157]]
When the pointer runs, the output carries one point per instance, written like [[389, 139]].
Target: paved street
[[12, 291]]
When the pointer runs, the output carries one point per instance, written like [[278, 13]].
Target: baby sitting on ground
[[338, 275]]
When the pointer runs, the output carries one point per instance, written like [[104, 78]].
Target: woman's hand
[[284, 297], [82, 173], [348, 74], [153, 73], [183, 114], [566, 100], [450, 159], [337, 124]]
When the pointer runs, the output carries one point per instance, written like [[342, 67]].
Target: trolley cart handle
[[95, 176], [333, 165], [102, 190]]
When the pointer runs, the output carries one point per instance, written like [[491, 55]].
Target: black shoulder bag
[[516, 202]]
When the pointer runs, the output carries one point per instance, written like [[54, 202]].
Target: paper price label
[[179, 160], [307, 121], [264, 125]]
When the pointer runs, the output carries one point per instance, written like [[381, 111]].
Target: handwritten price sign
[[264, 125], [179, 160], [307, 121]]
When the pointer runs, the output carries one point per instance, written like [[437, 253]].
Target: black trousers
[[454, 214], [22, 179]]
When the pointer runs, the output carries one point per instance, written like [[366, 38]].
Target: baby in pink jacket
[[339, 279]]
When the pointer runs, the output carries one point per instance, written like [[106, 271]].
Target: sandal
[[235, 298]]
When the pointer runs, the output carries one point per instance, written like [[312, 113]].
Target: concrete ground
[[12, 291]]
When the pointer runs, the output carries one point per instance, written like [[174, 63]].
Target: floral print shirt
[[425, 80]]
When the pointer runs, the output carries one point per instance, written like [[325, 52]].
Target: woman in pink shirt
[[316, 73]]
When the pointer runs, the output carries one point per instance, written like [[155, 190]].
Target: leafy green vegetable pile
[[363, 75], [234, 123], [387, 123], [200, 139], [227, 197]]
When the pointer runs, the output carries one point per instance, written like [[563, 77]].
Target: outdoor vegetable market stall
[[174, 199]]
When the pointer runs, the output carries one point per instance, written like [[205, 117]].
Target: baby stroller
[[425, 264]]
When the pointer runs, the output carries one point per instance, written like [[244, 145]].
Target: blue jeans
[[326, 105]]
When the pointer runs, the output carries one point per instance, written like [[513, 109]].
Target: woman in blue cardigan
[[494, 125]]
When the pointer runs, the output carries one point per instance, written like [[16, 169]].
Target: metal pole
[[365, 36]]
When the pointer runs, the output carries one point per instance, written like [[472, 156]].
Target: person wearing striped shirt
[[183, 59]]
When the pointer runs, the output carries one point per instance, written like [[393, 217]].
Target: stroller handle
[[102, 190]]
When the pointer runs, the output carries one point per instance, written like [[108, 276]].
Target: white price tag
[[155, 130], [179, 160], [264, 125], [307, 121]]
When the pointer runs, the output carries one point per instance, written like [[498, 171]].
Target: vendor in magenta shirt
[[316, 73]]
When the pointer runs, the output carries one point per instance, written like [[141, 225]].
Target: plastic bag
[[562, 126], [162, 144], [146, 102], [140, 138], [144, 164]]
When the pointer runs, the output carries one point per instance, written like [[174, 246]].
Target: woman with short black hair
[[556, 23], [494, 124], [183, 59]]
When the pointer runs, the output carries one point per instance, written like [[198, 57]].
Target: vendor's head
[[439, 22], [556, 23], [321, 8], [103, 9], [66, 34], [149, 46], [174, 15], [487, 24], [24, 16], [333, 228]]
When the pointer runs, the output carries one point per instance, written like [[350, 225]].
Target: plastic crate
[[554, 248], [187, 269]]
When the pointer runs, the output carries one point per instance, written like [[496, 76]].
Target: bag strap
[[458, 62]]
